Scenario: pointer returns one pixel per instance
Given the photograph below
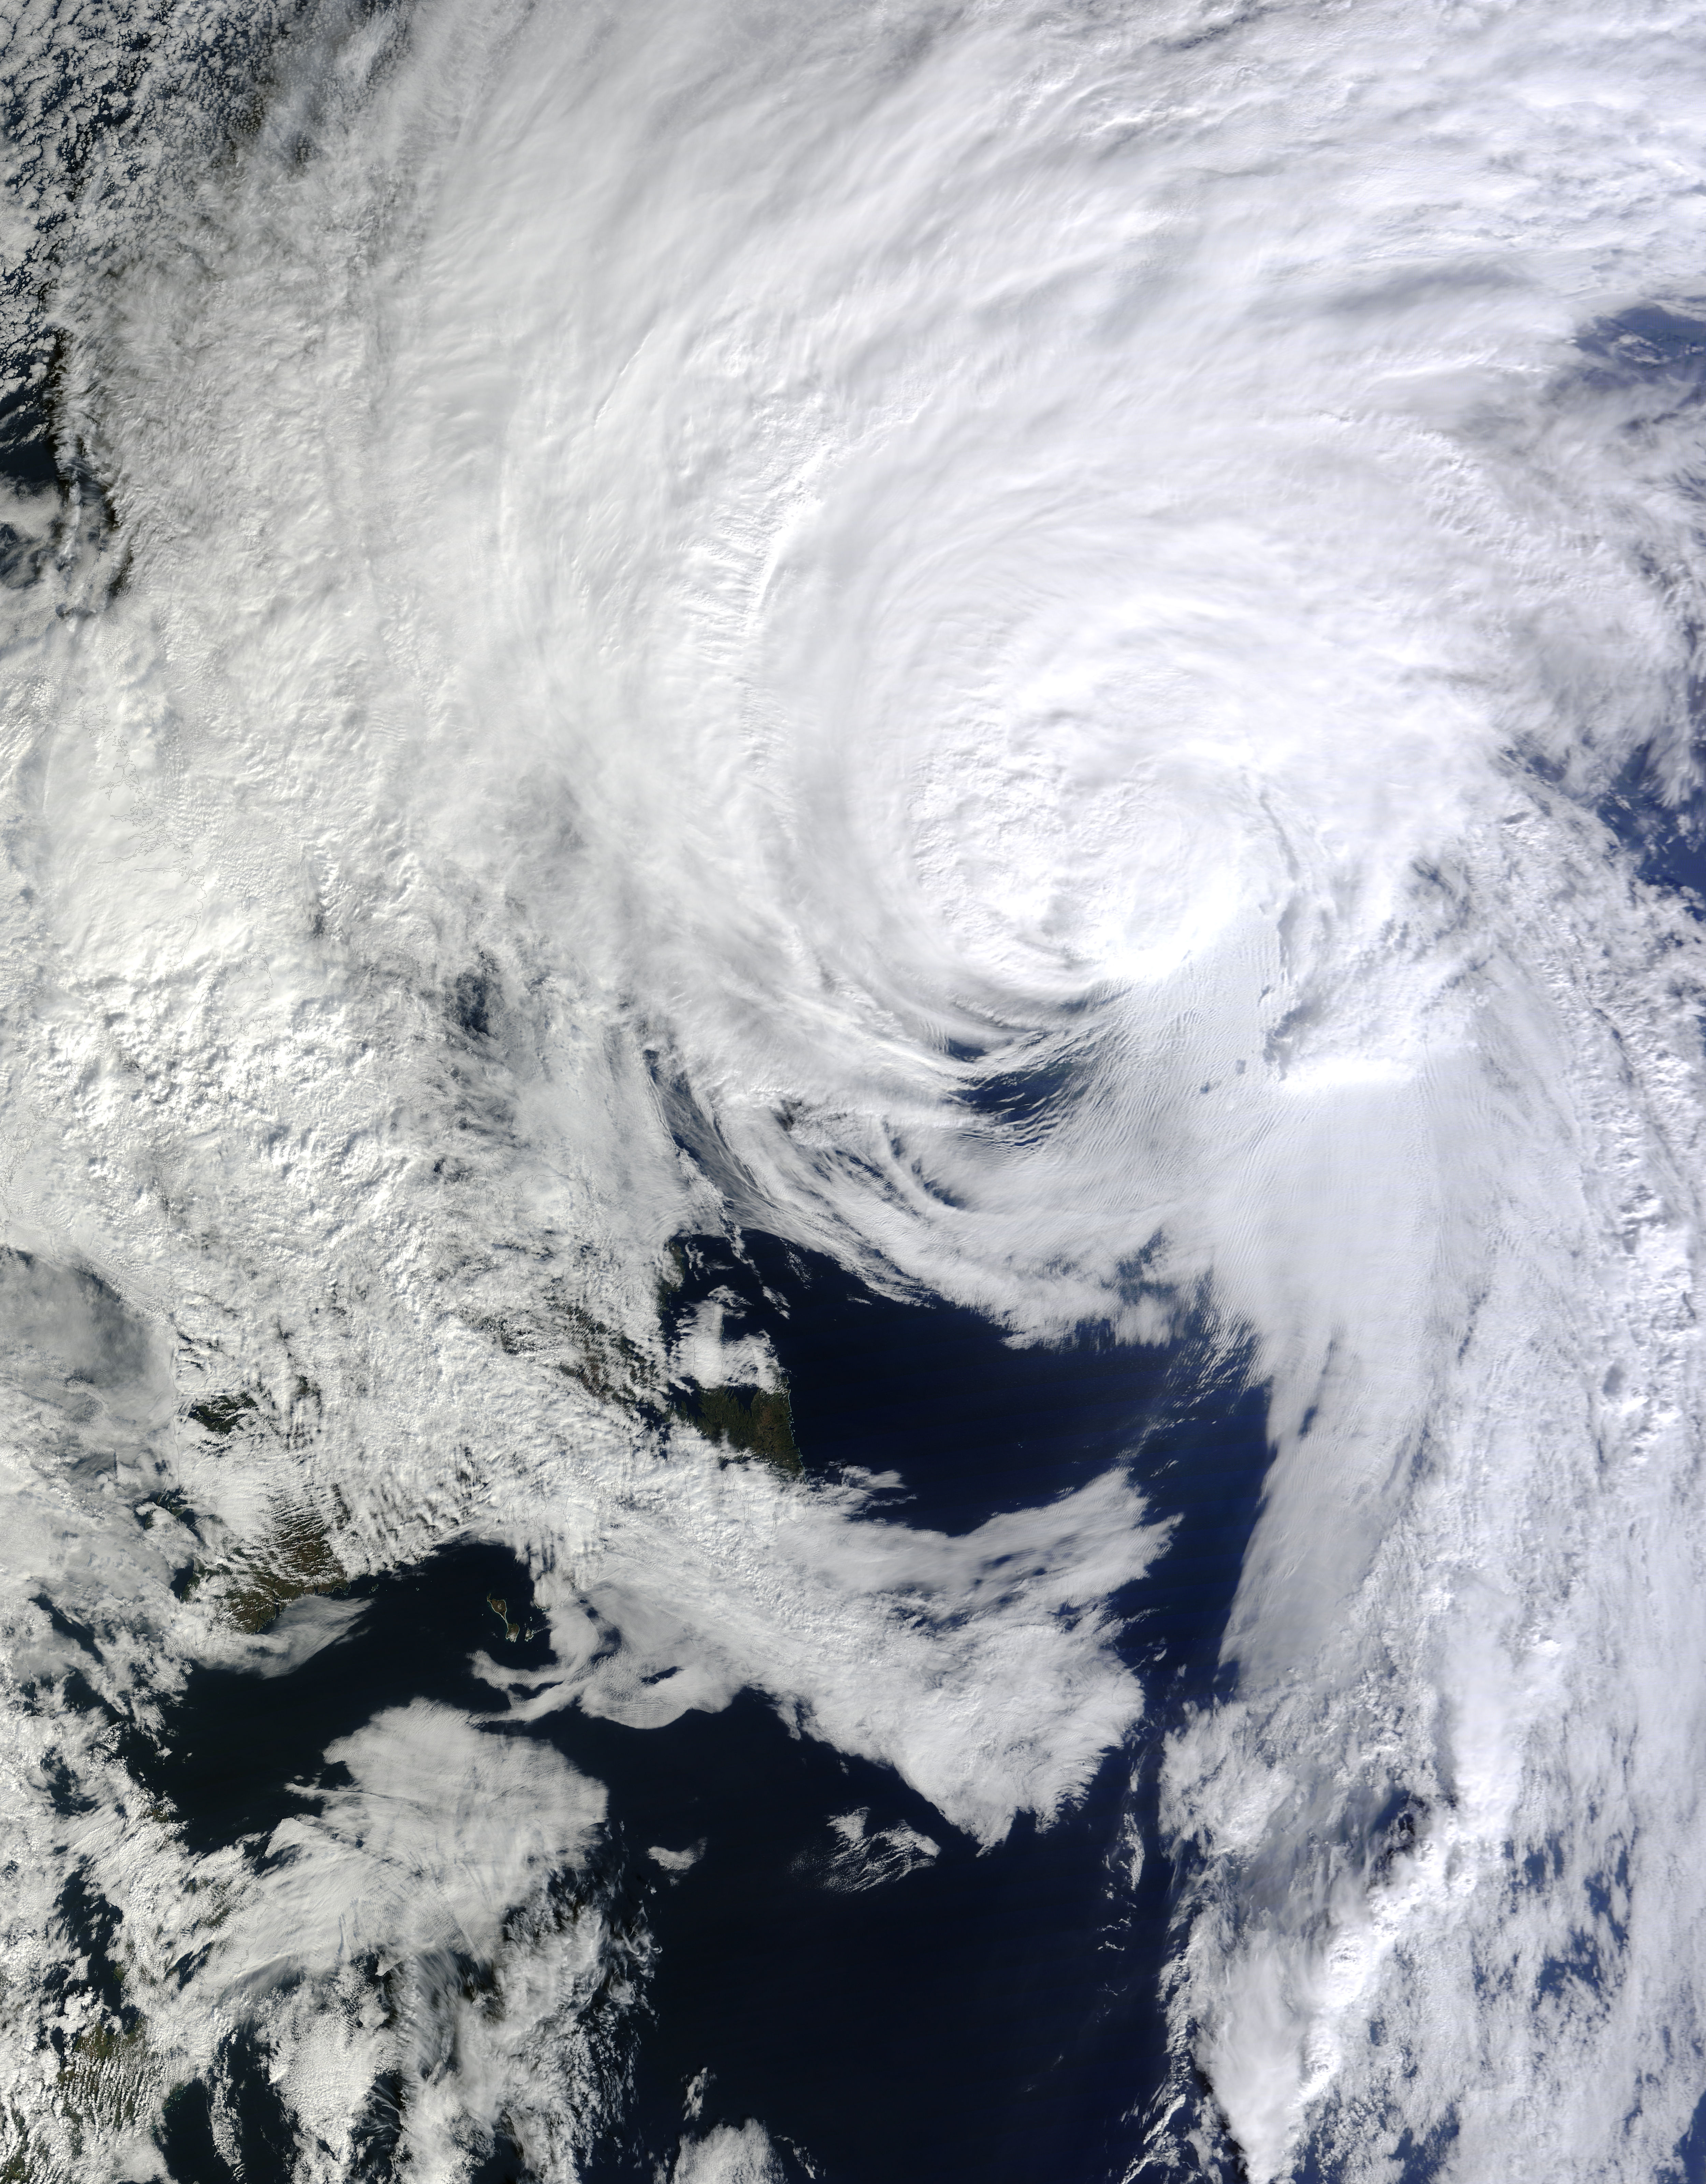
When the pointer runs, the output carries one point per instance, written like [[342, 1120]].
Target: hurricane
[[852, 1159]]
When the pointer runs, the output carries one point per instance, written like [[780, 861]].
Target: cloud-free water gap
[[740, 1943]]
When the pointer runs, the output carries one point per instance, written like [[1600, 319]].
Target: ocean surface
[[986, 2016]]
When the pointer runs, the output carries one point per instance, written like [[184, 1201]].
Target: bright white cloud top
[[701, 573]]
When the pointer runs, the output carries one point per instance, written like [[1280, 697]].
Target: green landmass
[[222, 1414], [607, 1363], [105, 2075], [671, 1276], [294, 1559], [763, 1427]]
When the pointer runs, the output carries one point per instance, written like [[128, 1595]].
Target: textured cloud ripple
[[1026, 648]]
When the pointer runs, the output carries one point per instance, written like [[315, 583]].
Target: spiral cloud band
[[1049, 652]]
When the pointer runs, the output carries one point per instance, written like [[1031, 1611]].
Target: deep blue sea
[[988, 2017]]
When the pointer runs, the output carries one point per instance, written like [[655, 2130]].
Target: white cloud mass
[[741, 574]]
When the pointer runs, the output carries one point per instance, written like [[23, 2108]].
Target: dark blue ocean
[[983, 2018]]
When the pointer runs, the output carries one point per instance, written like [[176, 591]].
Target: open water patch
[[947, 2013]]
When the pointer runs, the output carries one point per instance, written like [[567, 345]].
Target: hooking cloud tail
[[682, 679]]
